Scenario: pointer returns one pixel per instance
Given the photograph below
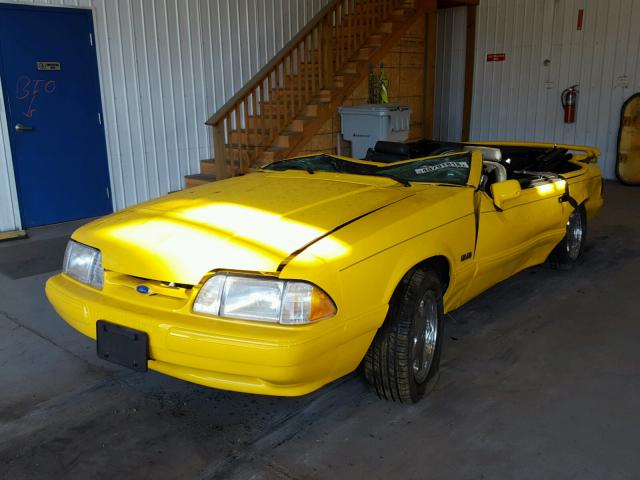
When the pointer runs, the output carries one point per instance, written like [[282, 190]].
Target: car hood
[[249, 223]]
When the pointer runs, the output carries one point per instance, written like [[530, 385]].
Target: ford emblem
[[143, 289]]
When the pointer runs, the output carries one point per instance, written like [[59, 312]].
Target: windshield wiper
[[400, 180]]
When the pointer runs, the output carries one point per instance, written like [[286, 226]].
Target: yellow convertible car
[[282, 280]]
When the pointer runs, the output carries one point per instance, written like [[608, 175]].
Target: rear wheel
[[570, 249], [404, 356]]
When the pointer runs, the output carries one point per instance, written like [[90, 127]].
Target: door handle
[[23, 128]]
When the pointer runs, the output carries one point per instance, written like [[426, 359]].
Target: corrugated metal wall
[[9, 215], [165, 67], [450, 66], [520, 98]]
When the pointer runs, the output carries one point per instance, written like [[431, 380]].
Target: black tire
[[570, 249], [391, 364]]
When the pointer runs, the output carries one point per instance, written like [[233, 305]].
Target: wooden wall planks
[[404, 67]]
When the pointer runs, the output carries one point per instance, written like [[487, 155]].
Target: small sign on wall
[[48, 66], [496, 57]]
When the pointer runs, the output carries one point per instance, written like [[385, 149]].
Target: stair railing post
[[328, 52], [219, 151]]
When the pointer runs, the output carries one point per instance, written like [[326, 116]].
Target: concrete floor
[[540, 379]]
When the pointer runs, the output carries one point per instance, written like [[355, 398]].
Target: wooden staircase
[[293, 96]]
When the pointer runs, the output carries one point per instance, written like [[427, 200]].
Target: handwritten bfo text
[[28, 89]]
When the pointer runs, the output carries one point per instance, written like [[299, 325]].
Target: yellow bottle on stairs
[[384, 86]]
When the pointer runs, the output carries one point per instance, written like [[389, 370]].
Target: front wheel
[[570, 249], [404, 357]]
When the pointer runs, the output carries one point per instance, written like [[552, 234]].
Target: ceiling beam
[[456, 3]]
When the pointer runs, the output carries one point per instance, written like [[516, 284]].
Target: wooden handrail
[[283, 89], [268, 68]]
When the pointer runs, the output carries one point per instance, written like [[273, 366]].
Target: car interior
[[530, 166]]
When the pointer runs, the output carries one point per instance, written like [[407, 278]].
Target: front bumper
[[227, 354]]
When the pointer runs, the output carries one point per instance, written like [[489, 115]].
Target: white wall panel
[[450, 67], [519, 99], [9, 214], [165, 67], [594, 58]]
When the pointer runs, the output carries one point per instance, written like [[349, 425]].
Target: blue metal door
[[51, 91]]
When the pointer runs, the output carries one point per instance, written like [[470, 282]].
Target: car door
[[519, 235]]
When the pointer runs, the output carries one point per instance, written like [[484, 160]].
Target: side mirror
[[504, 191]]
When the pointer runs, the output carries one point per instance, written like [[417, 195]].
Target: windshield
[[452, 169]]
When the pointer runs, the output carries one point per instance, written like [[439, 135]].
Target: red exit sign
[[496, 57]]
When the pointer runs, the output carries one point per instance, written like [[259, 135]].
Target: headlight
[[84, 264], [264, 299]]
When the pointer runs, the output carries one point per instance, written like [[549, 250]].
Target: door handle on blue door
[[23, 128]]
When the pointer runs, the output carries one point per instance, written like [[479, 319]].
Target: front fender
[[372, 281], [361, 265]]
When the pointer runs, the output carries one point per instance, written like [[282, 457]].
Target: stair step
[[280, 108], [271, 154], [309, 110], [298, 124], [246, 149], [287, 139], [349, 67], [291, 96], [294, 88], [375, 40], [208, 167], [251, 135], [364, 53], [319, 99], [322, 96], [355, 40], [295, 94], [343, 76], [265, 121], [387, 27], [339, 81], [359, 19], [198, 179]]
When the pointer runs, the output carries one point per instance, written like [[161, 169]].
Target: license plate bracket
[[122, 345]]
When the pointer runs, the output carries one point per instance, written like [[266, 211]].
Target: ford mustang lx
[[282, 280]]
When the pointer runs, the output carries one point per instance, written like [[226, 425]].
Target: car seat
[[389, 152], [492, 170]]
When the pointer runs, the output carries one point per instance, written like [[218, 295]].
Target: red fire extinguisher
[[569, 96]]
